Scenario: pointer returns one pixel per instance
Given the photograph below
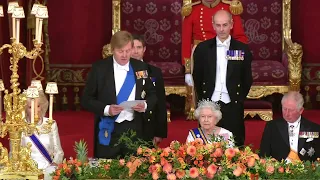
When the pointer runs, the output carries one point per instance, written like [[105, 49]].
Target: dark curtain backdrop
[[78, 29]]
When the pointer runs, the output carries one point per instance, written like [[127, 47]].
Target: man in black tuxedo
[[111, 81], [222, 73], [292, 137], [156, 125]]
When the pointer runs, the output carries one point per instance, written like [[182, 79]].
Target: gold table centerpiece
[[20, 165]]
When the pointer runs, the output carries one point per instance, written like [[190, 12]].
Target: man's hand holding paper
[[137, 105], [115, 109]]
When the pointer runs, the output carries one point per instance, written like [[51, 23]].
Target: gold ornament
[[236, 7]]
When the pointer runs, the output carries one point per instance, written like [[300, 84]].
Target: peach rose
[[270, 169], [262, 161], [180, 174], [212, 169], [218, 152], [281, 169], [251, 161], [171, 176], [230, 153], [237, 172], [139, 151], [209, 175], [167, 168], [194, 172], [122, 162], [191, 150], [155, 175]]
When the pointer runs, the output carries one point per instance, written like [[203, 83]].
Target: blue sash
[[41, 148], [106, 125], [197, 133]]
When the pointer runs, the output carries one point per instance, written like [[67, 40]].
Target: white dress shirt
[[120, 73], [220, 92], [295, 128]]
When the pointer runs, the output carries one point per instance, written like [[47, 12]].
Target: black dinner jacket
[[156, 119], [239, 76], [275, 140], [100, 89]]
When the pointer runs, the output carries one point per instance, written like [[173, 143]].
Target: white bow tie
[[221, 45], [119, 67]]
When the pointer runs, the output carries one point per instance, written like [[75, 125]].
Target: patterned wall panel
[[159, 22], [263, 26]]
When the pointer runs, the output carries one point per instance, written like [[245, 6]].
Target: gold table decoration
[[19, 165]]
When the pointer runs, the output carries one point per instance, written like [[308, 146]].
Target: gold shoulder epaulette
[[187, 8], [236, 7]]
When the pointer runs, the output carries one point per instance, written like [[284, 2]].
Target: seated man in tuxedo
[[292, 138], [156, 125], [113, 80]]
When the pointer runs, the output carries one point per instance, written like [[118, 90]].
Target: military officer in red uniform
[[197, 26]]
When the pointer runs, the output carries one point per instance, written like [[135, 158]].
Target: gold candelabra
[[20, 164]]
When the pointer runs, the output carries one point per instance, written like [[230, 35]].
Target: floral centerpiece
[[194, 160]]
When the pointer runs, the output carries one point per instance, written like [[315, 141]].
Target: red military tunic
[[198, 27]]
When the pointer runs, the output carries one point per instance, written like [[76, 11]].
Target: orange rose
[[180, 174], [129, 164], [167, 168], [107, 166], [152, 159], [55, 177], [212, 169], [171, 177], [237, 172], [251, 161], [194, 172], [191, 150]]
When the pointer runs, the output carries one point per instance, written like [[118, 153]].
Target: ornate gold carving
[[63, 75], [293, 50], [168, 115], [318, 93], [187, 65], [307, 102], [76, 98], [106, 51], [20, 162], [265, 115], [257, 92], [179, 90], [116, 16]]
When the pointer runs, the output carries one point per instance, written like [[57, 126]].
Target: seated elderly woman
[[208, 114], [46, 149]]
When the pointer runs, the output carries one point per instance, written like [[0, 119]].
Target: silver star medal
[[311, 152], [143, 94]]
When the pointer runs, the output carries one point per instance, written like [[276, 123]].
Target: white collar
[[120, 67], [226, 43], [296, 123]]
